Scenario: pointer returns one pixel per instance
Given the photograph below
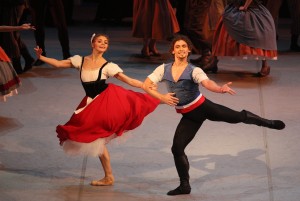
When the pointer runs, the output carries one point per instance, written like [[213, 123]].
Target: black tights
[[190, 124], [186, 131], [192, 121]]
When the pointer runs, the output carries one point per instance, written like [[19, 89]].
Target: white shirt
[[198, 74]]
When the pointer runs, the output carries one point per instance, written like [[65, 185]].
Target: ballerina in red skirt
[[107, 110]]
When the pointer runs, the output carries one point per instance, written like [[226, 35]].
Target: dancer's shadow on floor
[[246, 161], [218, 167], [204, 169], [246, 164]]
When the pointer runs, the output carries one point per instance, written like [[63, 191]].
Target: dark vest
[[93, 88], [185, 88]]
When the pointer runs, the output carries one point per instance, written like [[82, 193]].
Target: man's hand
[[226, 89]]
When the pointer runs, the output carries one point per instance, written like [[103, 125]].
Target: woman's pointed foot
[[106, 181]]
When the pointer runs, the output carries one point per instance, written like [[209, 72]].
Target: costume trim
[[189, 107]]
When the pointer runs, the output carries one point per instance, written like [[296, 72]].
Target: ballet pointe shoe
[[106, 181], [265, 71]]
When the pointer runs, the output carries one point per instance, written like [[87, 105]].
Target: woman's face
[[100, 44]]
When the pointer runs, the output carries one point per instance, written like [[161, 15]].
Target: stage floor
[[227, 162]]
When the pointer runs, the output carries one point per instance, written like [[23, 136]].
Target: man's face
[[181, 49]]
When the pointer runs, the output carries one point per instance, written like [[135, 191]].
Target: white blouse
[[109, 70]]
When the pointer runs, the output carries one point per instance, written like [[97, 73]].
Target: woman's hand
[[66, 63], [38, 52]]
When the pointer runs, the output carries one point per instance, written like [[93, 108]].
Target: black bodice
[[93, 88]]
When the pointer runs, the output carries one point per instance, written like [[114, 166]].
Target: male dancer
[[183, 79]]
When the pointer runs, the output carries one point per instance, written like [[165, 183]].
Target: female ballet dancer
[[107, 110]]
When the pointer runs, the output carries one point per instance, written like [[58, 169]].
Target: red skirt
[[225, 45], [111, 113]]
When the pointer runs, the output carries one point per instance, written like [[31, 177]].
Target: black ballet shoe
[[263, 73], [154, 52], [196, 61], [277, 124], [251, 118], [204, 60], [180, 190], [145, 54]]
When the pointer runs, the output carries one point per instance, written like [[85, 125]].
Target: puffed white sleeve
[[157, 75], [199, 75], [111, 69], [76, 61]]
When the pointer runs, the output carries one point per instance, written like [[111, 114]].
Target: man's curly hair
[[180, 37]]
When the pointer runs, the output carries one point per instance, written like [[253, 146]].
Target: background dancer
[[107, 110], [9, 80], [183, 80], [246, 30], [153, 20]]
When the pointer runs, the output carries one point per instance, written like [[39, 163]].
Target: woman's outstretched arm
[[53, 62]]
